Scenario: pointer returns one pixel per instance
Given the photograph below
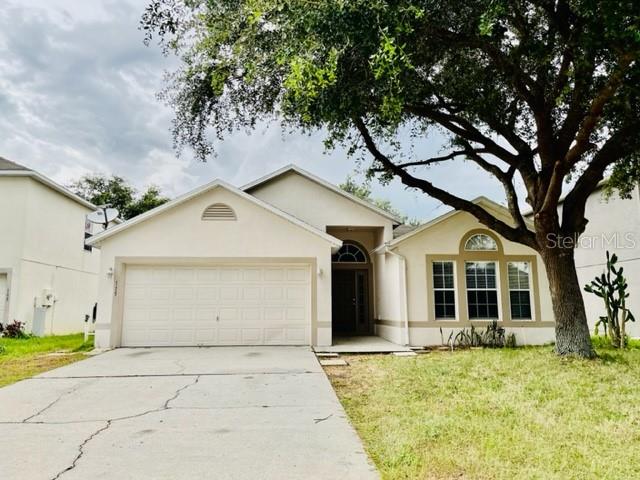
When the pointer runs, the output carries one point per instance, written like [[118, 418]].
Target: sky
[[78, 95]]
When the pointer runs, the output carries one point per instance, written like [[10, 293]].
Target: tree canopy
[[546, 92], [116, 192]]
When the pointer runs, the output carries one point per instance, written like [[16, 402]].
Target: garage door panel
[[217, 305]]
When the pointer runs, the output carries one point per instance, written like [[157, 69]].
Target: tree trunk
[[572, 330]]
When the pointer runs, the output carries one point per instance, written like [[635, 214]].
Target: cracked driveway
[[180, 413]]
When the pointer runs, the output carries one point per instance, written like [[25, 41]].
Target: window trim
[[497, 289], [530, 290], [456, 302]]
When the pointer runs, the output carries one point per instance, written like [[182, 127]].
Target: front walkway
[[362, 344], [187, 413]]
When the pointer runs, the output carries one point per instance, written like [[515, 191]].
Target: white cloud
[[78, 95]]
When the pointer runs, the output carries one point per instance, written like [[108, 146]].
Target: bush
[[13, 330]]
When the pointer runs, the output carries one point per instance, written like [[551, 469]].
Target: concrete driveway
[[180, 413]]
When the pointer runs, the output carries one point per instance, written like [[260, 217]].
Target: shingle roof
[[402, 229], [9, 165]]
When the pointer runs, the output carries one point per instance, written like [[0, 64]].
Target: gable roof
[[484, 202], [9, 165], [96, 239], [12, 169], [310, 176]]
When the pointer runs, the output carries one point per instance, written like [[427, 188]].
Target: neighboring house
[[44, 264], [614, 225], [292, 259]]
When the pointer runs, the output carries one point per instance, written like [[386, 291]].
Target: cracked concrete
[[233, 412]]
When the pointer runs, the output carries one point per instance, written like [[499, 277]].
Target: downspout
[[403, 286]]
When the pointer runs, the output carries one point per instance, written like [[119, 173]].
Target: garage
[[244, 304]]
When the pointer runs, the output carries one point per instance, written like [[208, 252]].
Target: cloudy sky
[[78, 95]]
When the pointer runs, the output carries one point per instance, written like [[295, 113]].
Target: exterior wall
[[13, 191], [44, 248], [614, 225], [179, 235], [317, 205], [443, 241]]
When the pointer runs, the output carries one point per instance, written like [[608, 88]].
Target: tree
[[116, 192], [532, 91], [363, 192]]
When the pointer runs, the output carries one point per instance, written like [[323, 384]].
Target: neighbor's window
[[482, 290], [481, 241], [519, 290], [443, 290]]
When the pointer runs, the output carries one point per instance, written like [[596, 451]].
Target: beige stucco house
[[290, 259], [44, 265]]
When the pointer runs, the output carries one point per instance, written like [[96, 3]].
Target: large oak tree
[[538, 91]]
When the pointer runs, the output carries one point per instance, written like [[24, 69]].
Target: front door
[[350, 291]]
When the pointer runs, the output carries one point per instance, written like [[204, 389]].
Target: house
[[45, 267], [292, 259], [614, 226]]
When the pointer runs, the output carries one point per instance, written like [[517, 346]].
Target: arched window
[[481, 242], [349, 253], [218, 211]]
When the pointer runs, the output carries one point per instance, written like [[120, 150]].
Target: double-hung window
[[519, 290], [482, 290], [444, 290]]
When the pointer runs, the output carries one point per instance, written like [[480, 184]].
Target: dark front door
[[350, 292]]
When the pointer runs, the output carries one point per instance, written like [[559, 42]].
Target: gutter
[[403, 285]]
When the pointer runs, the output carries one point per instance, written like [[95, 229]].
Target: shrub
[[14, 330], [492, 337]]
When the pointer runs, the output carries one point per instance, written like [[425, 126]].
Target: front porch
[[362, 344]]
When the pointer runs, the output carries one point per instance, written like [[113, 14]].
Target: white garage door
[[217, 305]]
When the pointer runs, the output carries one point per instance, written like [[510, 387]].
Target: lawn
[[23, 358], [496, 414]]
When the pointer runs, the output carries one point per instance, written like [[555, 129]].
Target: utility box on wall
[[39, 320]]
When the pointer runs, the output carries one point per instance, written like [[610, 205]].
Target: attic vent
[[218, 211]]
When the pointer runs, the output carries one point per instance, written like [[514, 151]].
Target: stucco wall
[[179, 235], [614, 225], [444, 239], [44, 249], [317, 205]]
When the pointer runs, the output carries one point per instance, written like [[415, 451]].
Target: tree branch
[[620, 145], [514, 234], [594, 114]]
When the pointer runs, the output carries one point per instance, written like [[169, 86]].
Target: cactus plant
[[612, 287]]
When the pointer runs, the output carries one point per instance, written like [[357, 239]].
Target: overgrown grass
[[26, 357], [496, 414]]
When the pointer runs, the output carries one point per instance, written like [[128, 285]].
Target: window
[[218, 211], [519, 290], [349, 253], [482, 292], [443, 290], [481, 242], [88, 227]]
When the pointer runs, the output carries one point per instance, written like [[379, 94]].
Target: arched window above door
[[349, 253]]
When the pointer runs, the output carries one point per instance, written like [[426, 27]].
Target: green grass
[[26, 357], [496, 414]]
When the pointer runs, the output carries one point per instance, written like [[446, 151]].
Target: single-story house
[[291, 259], [45, 267]]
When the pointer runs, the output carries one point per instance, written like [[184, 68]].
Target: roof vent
[[218, 211]]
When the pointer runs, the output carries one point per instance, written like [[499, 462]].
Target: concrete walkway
[[180, 413]]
